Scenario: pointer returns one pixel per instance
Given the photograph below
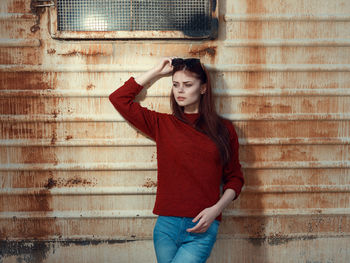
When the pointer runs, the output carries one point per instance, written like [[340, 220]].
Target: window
[[134, 19]]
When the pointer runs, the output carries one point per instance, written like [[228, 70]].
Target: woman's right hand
[[161, 69], [164, 67]]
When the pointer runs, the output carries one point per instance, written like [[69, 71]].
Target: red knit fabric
[[189, 169]]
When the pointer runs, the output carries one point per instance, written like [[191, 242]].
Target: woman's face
[[187, 90]]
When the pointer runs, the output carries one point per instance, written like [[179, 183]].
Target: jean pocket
[[211, 231], [214, 227]]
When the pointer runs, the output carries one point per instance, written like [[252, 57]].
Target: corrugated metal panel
[[78, 183]]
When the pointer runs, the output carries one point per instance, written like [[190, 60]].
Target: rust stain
[[307, 105], [17, 106], [278, 239], [282, 226], [25, 16], [90, 87], [95, 242], [255, 31], [50, 183], [294, 153], [77, 181], [149, 183], [154, 157], [254, 105], [71, 182], [314, 225], [18, 6], [27, 80], [20, 55], [69, 137], [294, 129], [279, 108], [40, 200], [203, 51], [257, 55], [82, 53], [38, 251], [55, 113], [28, 130], [31, 229], [37, 154], [53, 137], [255, 227], [51, 51], [25, 251]]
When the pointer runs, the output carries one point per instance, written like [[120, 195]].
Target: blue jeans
[[172, 243]]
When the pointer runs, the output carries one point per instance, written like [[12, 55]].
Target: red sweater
[[189, 169]]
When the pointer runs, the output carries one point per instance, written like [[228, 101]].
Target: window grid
[[129, 15]]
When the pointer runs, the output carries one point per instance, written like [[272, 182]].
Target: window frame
[[137, 34]]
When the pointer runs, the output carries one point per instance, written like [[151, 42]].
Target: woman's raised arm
[[161, 69], [122, 99]]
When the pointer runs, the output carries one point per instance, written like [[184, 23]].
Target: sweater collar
[[192, 117]]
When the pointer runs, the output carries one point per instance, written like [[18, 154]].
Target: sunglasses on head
[[193, 64], [188, 62]]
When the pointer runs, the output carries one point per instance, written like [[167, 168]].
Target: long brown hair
[[208, 122]]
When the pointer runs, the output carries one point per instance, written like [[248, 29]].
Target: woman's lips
[[181, 98]]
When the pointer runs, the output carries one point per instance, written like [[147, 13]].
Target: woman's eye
[[186, 85]]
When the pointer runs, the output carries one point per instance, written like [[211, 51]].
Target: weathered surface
[[78, 182]]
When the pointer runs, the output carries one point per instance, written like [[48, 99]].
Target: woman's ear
[[203, 88]]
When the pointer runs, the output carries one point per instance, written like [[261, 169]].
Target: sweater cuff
[[132, 81], [236, 184]]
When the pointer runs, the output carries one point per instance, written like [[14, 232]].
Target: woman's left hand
[[206, 216]]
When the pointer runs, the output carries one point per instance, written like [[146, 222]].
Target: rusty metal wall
[[78, 183]]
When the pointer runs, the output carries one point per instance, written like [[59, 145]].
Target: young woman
[[197, 150]]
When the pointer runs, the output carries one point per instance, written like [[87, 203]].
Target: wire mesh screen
[[129, 15]]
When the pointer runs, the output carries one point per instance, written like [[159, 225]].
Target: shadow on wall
[[243, 232]]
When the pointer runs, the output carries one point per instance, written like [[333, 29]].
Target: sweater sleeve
[[232, 174], [142, 118]]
